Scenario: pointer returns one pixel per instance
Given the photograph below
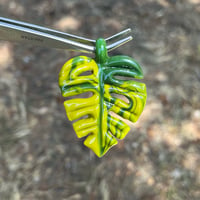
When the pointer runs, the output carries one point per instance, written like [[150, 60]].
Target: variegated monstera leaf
[[98, 116]]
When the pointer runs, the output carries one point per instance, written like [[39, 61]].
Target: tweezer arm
[[18, 33]]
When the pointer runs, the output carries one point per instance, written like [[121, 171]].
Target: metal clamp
[[17, 31]]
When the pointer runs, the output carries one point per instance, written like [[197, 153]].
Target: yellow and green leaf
[[94, 114]]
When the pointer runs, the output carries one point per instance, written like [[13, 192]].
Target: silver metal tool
[[17, 31]]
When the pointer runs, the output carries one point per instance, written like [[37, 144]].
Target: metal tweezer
[[17, 31]]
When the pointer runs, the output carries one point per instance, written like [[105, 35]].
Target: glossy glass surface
[[113, 92]]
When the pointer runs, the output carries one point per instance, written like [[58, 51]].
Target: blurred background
[[40, 155]]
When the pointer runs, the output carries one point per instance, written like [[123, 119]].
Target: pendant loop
[[101, 51]]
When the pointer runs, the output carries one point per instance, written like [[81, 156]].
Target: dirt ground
[[40, 155]]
